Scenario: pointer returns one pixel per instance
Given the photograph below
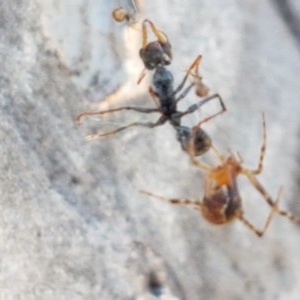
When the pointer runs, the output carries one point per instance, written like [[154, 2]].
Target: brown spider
[[222, 202]]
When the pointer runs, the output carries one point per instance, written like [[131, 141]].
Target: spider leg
[[239, 157], [218, 154], [288, 215], [259, 168], [159, 122], [134, 108], [182, 201], [258, 186], [268, 198], [194, 161], [261, 232]]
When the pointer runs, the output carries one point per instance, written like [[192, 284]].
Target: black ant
[[156, 53], [222, 203], [166, 100]]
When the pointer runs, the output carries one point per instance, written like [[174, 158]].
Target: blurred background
[[73, 224]]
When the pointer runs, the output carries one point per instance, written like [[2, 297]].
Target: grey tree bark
[[73, 224]]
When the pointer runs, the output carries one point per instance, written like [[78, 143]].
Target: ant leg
[[159, 122], [183, 201], [196, 106], [196, 64], [144, 45], [134, 108], [260, 233], [181, 85], [144, 35], [188, 72], [259, 169], [201, 89], [184, 93], [161, 36], [141, 77]]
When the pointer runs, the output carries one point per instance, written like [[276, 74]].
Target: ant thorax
[[163, 82]]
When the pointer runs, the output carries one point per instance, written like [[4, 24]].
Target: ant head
[[156, 54]]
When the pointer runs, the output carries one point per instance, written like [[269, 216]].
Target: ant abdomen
[[201, 141]]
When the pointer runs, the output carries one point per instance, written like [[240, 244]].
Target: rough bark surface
[[73, 224]]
